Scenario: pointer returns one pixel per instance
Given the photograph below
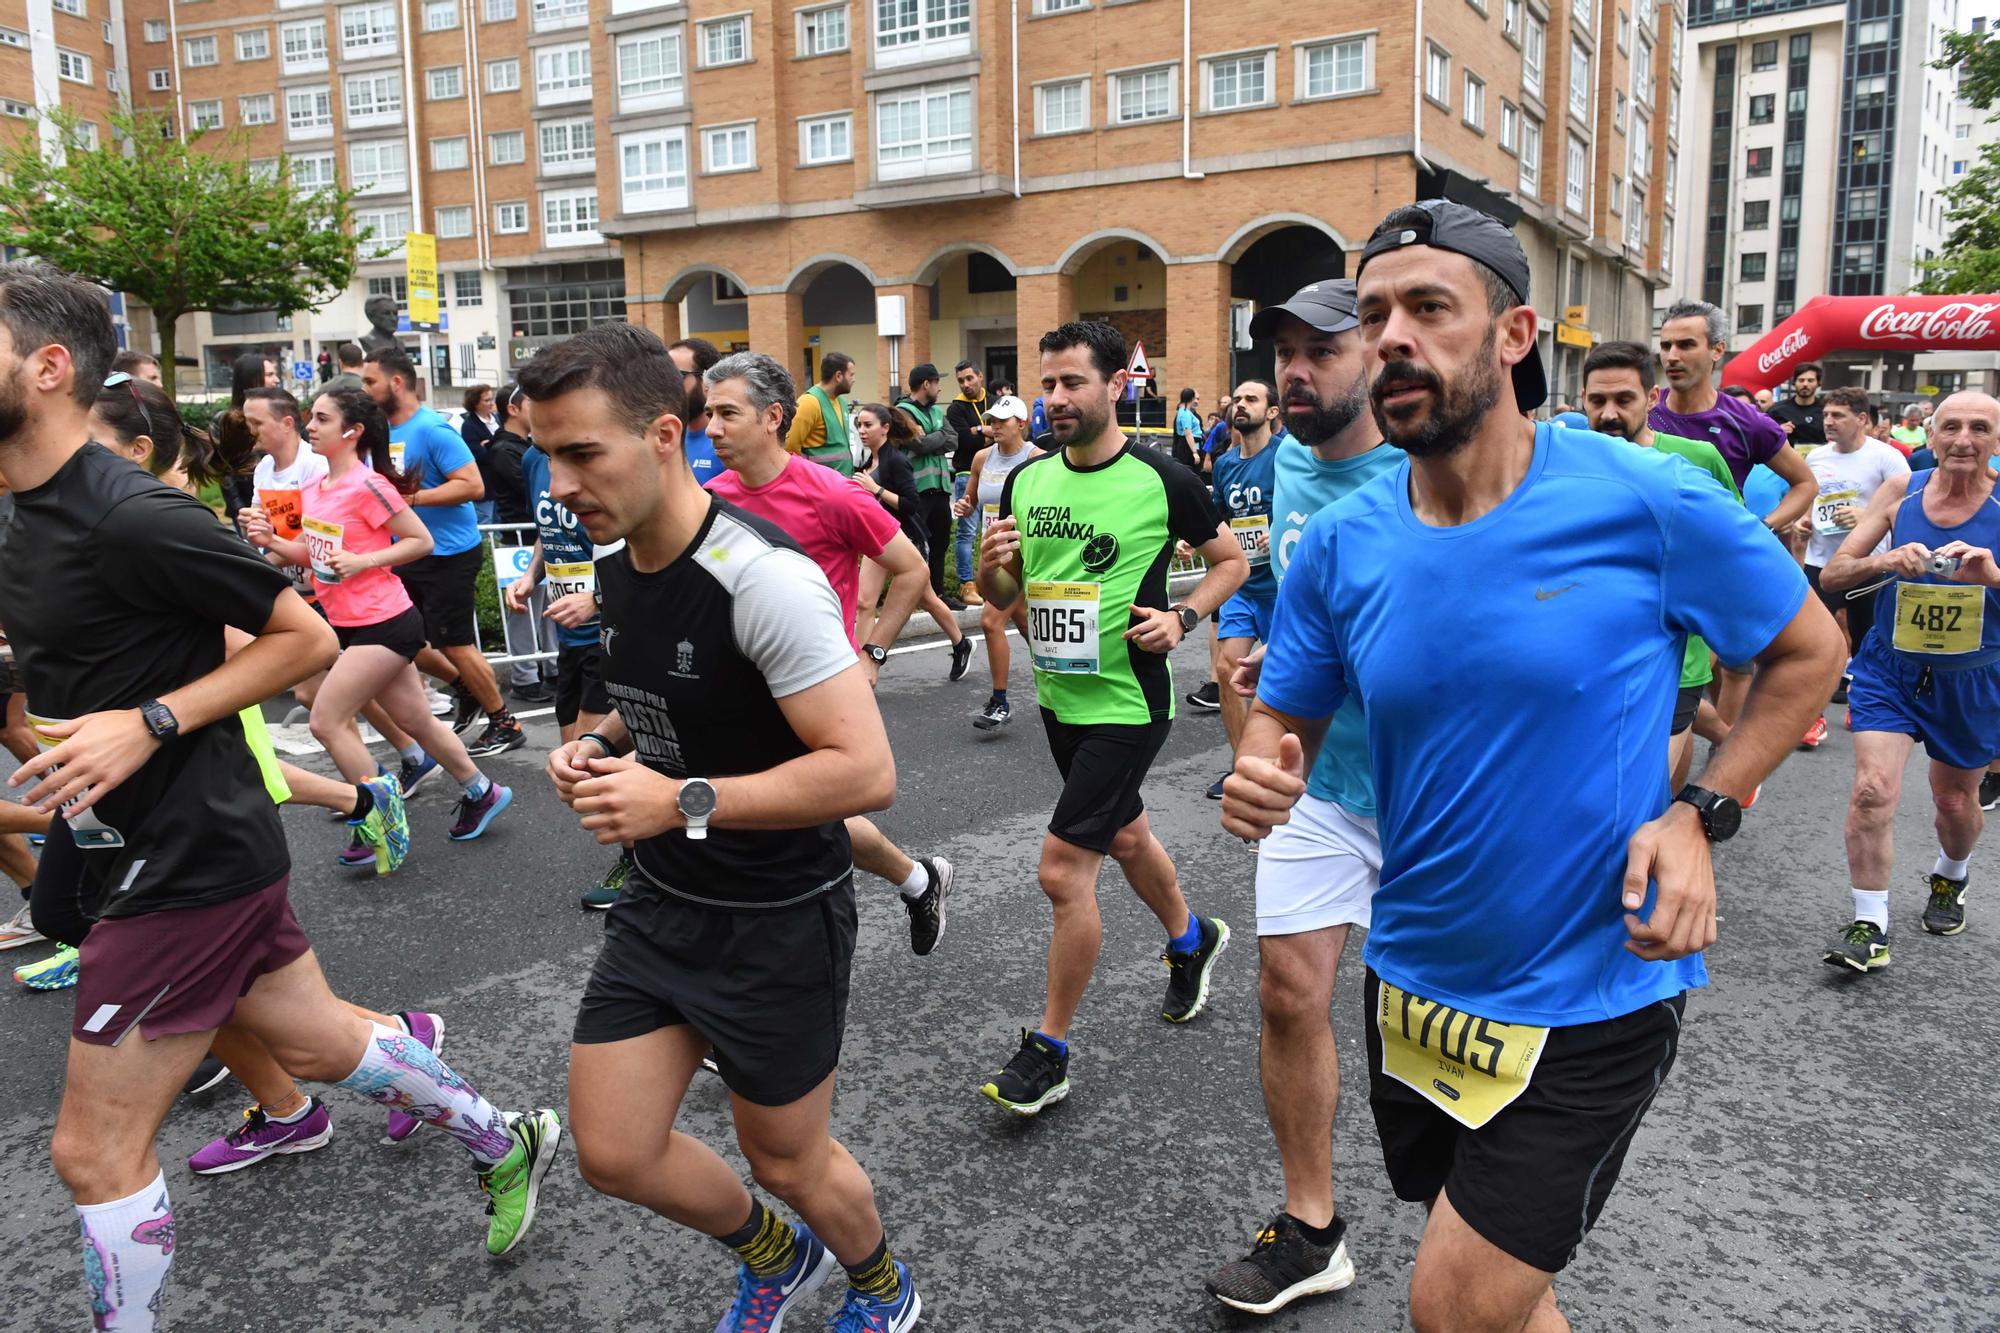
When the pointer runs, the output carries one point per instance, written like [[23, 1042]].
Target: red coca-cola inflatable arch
[[1867, 324]]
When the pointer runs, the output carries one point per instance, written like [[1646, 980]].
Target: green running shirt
[[1695, 669], [1095, 541]]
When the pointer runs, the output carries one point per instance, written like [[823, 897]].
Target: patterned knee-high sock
[[128, 1246], [398, 1070]]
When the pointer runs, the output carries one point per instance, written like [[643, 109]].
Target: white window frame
[[643, 90], [1576, 174], [155, 31], [1534, 52], [1080, 87], [1510, 126], [510, 217], [378, 166], [1212, 67], [451, 152], [451, 222], [440, 15], [1510, 20], [1580, 89], [498, 11], [1437, 75], [384, 101], [938, 30], [840, 122], [569, 64], [452, 77], [320, 123], [711, 30], [556, 15], [1114, 84], [389, 237], [313, 172], [160, 80], [939, 153], [712, 134], [306, 62], [1302, 75], [808, 29], [202, 52], [253, 44], [460, 297], [574, 148], [1618, 109], [1061, 6], [504, 76], [257, 109], [517, 140], [646, 191], [205, 114], [573, 232], [376, 34], [1530, 154], [1474, 110]]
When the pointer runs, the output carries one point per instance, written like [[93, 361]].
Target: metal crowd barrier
[[524, 638]]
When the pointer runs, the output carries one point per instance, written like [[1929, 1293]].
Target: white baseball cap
[[1008, 406]]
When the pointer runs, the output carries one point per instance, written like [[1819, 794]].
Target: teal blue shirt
[[1306, 484]]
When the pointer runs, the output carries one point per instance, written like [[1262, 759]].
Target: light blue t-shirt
[[1243, 489], [1306, 484], [564, 541], [701, 458], [432, 451], [1518, 672], [1186, 419]]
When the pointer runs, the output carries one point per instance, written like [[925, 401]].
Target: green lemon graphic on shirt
[[1100, 552]]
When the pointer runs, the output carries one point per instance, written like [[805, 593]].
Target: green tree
[[183, 224], [1970, 260]]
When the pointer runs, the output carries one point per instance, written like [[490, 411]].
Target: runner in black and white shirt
[[755, 734]]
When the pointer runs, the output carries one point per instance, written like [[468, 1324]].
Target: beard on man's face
[[1456, 406], [1323, 419]]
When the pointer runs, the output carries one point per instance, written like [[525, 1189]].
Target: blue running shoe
[[411, 776], [864, 1314], [762, 1302], [474, 816], [56, 972]]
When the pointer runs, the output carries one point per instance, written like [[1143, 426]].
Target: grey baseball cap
[[1487, 241], [1327, 306]]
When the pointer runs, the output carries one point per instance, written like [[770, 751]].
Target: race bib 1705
[[1469, 1067], [1939, 619], [1062, 627]]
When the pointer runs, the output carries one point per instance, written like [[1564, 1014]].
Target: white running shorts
[[1317, 871]]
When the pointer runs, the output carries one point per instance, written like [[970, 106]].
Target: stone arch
[[1080, 250], [1256, 229], [929, 271], [683, 282], [801, 277]]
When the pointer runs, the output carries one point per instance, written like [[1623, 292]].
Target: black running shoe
[[1861, 947], [1215, 787], [1187, 973], [500, 736], [1209, 696], [1989, 791], [465, 708], [1840, 691], [206, 1075], [1037, 1077], [992, 717], [1281, 1267], [537, 693], [961, 658], [1944, 914], [927, 908]]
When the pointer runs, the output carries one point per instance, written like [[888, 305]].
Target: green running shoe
[[604, 895], [56, 972], [512, 1184], [1861, 947], [386, 828], [1944, 914]]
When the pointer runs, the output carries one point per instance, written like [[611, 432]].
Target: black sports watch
[[1189, 617], [1720, 815], [160, 720], [875, 652]]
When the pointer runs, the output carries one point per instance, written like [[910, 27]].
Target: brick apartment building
[[764, 174]]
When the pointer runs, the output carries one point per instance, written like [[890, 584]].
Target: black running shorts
[[442, 588], [767, 988], [1102, 766], [1860, 610], [402, 633], [580, 682], [1534, 1178], [1686, 704]]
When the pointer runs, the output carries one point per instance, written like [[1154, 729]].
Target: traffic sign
[[302, 371], [1138, 368]]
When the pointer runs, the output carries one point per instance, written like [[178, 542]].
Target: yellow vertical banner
[[420, 268]]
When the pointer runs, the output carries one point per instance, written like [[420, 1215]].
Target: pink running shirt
[[352, 514]]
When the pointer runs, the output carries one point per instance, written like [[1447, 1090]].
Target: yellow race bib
[[566, 579], [1939, 619], [1469, 1067], [1832, 495], [1062, 627], [322, 540], [1253, 534]]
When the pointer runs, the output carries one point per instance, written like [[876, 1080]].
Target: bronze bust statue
[[381, 312]]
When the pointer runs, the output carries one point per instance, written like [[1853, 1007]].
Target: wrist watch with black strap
[[875, 653], [1720, 815], [161, 724]]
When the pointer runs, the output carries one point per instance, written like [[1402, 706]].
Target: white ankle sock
[[1873, 907], [918, 882], [1949, 868]]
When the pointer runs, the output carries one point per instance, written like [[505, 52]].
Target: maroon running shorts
[[181, 970]]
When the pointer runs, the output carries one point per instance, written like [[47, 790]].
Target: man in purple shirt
[[1693, 341], [1694, 338]]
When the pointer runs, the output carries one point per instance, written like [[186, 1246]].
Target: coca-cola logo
[[1955, 321], [1794, 343]]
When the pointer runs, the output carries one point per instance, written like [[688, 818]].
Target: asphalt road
[[1821, 1158]]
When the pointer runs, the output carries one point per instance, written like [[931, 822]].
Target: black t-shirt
[[1807, 420], [894, 474], [115, 589], [507, 485], [696, 657]]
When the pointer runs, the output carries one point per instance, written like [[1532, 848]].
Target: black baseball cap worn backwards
[[1486, 241]]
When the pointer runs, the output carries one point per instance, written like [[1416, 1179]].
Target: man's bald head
[[1964, 431], [1969, 401]]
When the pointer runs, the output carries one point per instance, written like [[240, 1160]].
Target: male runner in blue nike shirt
[[1510, 605]]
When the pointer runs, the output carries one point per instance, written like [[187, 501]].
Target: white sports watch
[[696, 803]]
